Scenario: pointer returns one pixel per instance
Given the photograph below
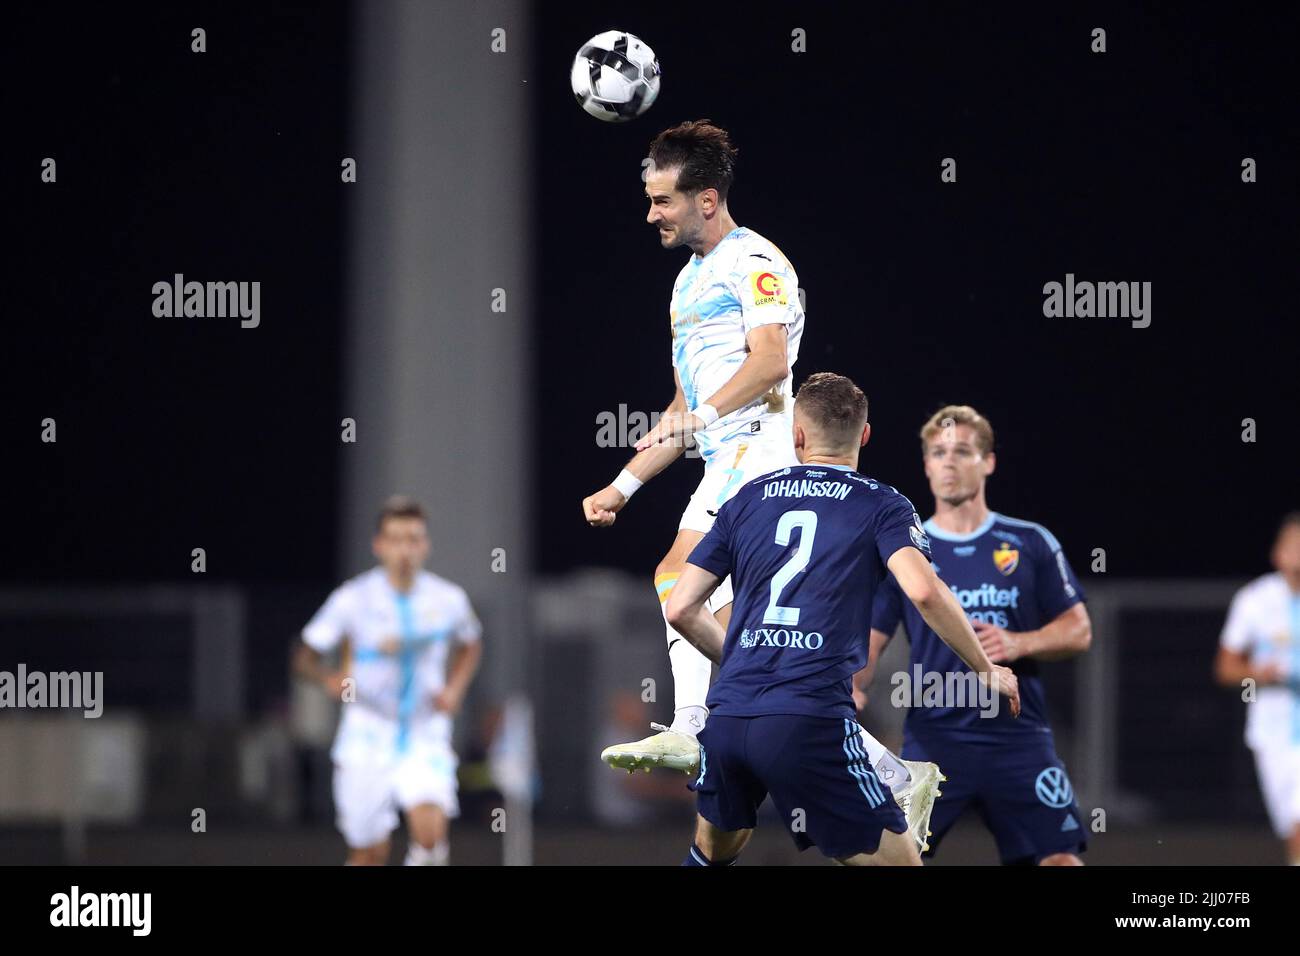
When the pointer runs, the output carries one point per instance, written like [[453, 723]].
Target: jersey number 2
[[806, 522]]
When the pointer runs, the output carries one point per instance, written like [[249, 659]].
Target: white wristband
[[705, 413], [627, 483]]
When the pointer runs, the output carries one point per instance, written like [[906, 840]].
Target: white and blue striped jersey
[[744, 282], [400, 643], [1264, 623]]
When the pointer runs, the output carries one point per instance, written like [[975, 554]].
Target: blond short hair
[[951, 416]]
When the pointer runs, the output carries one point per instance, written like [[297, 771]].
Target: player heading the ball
[[736, 321]]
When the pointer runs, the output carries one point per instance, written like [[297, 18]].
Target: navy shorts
[[1018, 786], [814, 768]]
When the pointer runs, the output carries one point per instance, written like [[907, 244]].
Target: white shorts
[[368, 791], [731, 468], [1279, 779], [728, 472]]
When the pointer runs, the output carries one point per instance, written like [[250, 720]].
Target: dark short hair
[[701, 153], [1290, 520], [400, 506], [834, 406]]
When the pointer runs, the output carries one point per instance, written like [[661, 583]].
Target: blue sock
[[696, 858]]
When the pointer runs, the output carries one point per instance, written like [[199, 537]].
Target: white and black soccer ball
[[615, 76]]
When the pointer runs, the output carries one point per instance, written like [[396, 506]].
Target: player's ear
[[708, 200], [991, 463], [800, 439], [866, 435]]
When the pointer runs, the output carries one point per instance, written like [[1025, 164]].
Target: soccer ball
[[615, 76]]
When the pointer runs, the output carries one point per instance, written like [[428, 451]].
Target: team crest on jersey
[[919, 537], [767, 289], [1006, 558]]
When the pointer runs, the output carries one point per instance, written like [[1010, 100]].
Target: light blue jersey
[[743, 282]]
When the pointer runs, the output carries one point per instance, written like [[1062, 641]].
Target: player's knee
[[894, 849], [664, 581], [667, 572], [1060, 859], [911, 856]]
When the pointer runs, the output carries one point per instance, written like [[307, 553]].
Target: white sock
[[691, 669], [691, 673], [893, 773], [436, 855], [690, 720]]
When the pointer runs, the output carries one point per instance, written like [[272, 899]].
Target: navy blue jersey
[[1007, 572], [806, 548]]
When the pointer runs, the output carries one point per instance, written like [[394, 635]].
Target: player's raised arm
[[599, 509], [939, 608], [687, 613], [764, 368]]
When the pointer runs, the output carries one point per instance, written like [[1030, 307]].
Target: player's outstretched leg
[[895, 849], [675, 747], [715, 847]]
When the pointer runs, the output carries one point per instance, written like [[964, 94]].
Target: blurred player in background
[[410, 646], [736, 322], [807, 547], [1261, 643], [1027, 607]]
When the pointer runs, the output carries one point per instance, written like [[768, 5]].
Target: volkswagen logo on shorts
[[1053, 788]]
